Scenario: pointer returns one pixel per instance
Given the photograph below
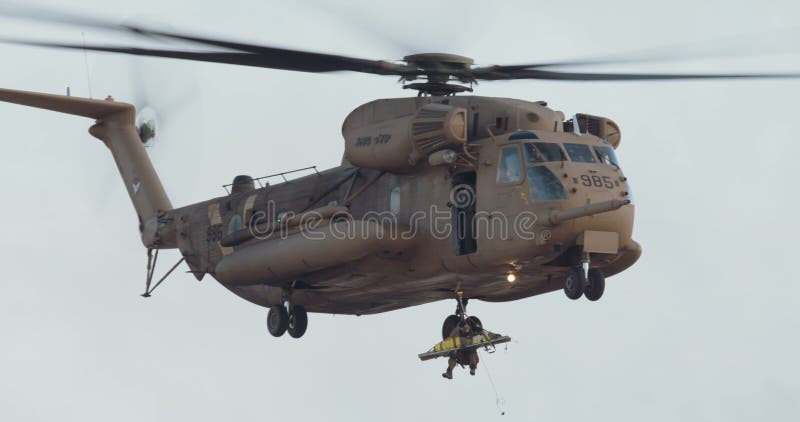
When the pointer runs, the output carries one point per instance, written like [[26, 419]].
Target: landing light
[[511, 277]]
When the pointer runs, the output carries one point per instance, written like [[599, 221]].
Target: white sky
[[703, 327]]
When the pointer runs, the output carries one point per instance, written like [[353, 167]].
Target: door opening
[[462, 206]]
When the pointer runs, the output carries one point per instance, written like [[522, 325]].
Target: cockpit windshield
[[543, 152], [607, 155], [580, 153], [543, 184]]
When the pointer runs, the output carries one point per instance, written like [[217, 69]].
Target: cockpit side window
[[543, 152], [607, 156], [544, 185], [580, 153], [509, 169]]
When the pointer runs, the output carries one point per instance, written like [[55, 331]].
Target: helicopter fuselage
[[375, 241], [496, 198]]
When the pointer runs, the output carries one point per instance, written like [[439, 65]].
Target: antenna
[[86, 62]]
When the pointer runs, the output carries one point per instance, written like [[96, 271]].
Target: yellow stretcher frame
[[453, 344]]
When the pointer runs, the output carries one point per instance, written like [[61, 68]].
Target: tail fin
[[115, 126]]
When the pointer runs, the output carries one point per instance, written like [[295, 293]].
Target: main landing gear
[[452, 321], [585, 281], [286, 317]]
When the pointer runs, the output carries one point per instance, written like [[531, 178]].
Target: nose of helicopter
[[607, 209]]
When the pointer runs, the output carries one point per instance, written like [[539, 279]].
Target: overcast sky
[[703, 327]]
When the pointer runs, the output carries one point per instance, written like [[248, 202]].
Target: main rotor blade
[[749, 44], [289, 59], [279, 59], [269, 57], [574, 76], [244, 59]]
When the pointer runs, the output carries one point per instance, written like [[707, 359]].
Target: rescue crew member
[[469, 327]]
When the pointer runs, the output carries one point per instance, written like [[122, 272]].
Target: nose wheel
[[574, 283], [584, 281], [595, 285]]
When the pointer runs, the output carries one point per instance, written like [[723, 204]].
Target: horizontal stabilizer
[[96, 109]]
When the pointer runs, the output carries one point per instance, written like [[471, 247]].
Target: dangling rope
[[86, 62], [498, 401]]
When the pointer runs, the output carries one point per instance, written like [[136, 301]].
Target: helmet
[[474, 323]]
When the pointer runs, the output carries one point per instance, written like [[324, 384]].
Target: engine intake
[[398, 145], [602, 127]]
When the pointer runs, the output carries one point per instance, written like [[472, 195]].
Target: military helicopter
[[439, 196]]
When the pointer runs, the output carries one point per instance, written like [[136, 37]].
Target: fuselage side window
[[580, 153], [394, 200], [510, 168]]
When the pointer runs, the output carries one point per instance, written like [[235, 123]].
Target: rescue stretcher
[[486, 339]]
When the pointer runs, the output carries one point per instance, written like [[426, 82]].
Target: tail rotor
[[159, 97]]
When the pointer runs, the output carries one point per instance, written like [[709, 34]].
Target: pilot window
[[544, 185], [543, 152], [607, 155], [580, 153], [510, 168]]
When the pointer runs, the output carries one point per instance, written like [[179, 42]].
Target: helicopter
[[440, 196]]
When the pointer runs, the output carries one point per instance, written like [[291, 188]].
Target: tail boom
[[115, 126]]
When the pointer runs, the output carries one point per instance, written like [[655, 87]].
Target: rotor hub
[[425, 60], [439, 69]]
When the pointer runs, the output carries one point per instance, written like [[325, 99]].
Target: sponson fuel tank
[[274, 260]]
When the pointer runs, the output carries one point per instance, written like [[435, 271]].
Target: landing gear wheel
[[596, 285], [450, 324], [298, 321], [277, 320], [573, 283]]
